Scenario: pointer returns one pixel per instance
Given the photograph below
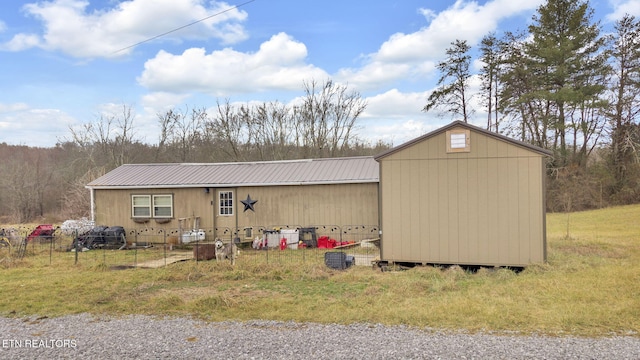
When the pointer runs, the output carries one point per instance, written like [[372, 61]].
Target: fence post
[[197, 250], [51, 247], [77, 245]]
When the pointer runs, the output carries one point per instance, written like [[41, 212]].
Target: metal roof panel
[[286, 172]]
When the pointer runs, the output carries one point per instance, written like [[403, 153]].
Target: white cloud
[[414, 54], [3, 26], [622, 7], [278, 64], [159, 102], [21, 42], [464, 20], [5, 108], [373, 74], [395, 117], [21, 125], [70, 28], [395, 104]]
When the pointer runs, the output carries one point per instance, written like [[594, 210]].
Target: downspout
[[214, 210], [93, 204], [235, 213], [544, 209], [380, 208]]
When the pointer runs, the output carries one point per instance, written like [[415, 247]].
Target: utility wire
[[184, 26]]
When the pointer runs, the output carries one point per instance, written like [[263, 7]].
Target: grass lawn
[[590, 286]]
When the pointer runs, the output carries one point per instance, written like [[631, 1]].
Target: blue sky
[[63, 63]]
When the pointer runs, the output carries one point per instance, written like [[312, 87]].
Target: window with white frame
[[225, 203], [141, 206], [162, 206], [156, 206]]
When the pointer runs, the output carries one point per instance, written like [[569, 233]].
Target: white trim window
[[225, 203], [163, 206], [142, 206]]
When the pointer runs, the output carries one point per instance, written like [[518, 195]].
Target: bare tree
[[228, 125], [326, 119], [109, 140], [181, 132], [27, 176], [271, 130], [76, 200], [166, 121]]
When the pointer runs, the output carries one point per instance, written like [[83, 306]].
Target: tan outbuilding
[[463, 195]]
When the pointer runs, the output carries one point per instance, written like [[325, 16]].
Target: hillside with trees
[[40, 183], [561, 84]]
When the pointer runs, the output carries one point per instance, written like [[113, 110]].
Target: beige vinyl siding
[[483, 207], [338, 204], [113, 207], [302, 205]]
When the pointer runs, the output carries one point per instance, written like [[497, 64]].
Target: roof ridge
[[358, 169], [253, 162]]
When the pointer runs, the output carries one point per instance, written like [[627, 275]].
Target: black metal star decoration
[[248, 204]]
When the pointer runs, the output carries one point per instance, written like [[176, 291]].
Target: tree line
[[562, 84], [41, 181]]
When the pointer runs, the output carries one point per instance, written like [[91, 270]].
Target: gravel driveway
[[89, 337]]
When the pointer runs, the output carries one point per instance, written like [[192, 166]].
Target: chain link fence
[[155, 248]]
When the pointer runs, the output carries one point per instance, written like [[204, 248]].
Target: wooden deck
[[364, 243]]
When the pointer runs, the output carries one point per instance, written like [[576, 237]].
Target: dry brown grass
[[590, 286]]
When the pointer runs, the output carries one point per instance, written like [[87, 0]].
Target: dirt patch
[[121, 267]]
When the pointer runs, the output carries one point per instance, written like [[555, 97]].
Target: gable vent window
[[458, 141]]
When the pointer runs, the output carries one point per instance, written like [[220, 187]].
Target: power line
[[184, 26]]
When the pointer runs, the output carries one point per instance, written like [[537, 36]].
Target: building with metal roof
[[458, 195], [463, 195], [229, 198]]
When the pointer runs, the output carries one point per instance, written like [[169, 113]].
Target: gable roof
[[463, 124], [265, 173]]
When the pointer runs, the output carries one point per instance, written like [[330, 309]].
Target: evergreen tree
[[490, 75], [625, 109], [451, 93], [524, 112], [567, 56]]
